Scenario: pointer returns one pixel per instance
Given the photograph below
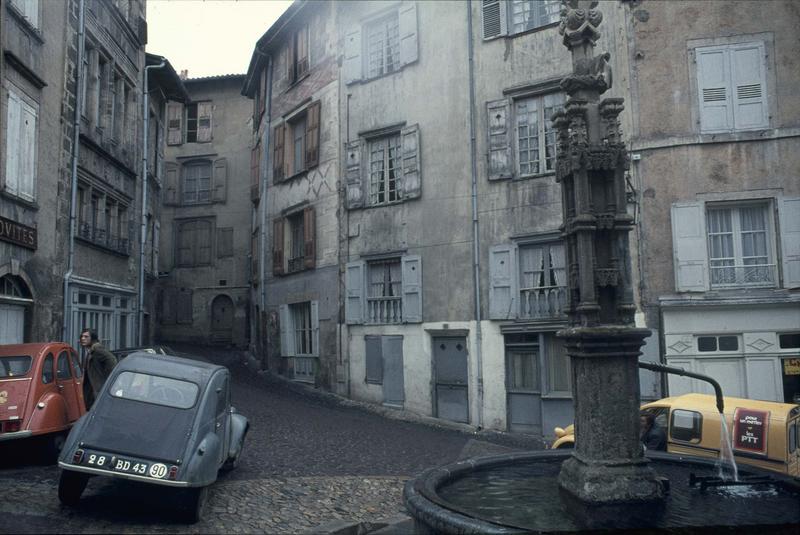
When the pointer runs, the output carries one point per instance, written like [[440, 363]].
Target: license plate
[[114, 463]]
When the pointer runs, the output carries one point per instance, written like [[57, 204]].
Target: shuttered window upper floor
[[510, 17]]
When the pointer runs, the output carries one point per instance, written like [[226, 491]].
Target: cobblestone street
[[312, 462]]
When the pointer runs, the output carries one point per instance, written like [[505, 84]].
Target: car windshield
[[155, 389], [14, 366]]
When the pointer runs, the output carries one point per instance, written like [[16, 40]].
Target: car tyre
[[231, 463], [70, 487], [196, 499]]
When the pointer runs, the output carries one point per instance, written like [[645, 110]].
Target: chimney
[[184, 74]]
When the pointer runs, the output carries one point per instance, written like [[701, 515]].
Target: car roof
[[708, 403], [169, 366], [25, 349]]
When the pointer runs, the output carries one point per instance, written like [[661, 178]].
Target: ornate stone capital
[[579, 22]]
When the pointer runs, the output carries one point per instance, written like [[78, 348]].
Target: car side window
[[76, 365], [792, 436], [47, 369], [62, 366], [686, 426]]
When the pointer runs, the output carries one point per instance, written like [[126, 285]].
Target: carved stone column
[[608, 465]]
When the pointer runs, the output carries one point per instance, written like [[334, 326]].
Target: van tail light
[[77, 457], [173, 472], [12, 426]]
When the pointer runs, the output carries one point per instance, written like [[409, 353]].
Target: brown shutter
[[277, 247], [277, 153], [290, 58], [255, 164], [312, 135], [174, 123], [302, 51], [263, 94], [309, 242]]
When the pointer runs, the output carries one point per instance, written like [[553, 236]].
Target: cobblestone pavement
[[311, 460]]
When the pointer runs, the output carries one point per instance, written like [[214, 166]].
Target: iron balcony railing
[[543, 302], [739, 275], [384, 309], [296, 264], [99, 236]]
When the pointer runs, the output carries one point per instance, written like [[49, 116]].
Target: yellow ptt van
[[763, 433]]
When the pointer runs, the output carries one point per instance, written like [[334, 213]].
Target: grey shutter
[[220, 178], [27, 168], [171, 183], [748, 86], [412, 184], [156, 245], [354, 289], [495, 19], [185, 308], [789, 214], [499, 121], [373, 357], [204, 122], [503, 289], [412, 288], [287, 332], [315, 328], [224, 242], [690, 247], [355, 187], [203, 243], [714, 89], [407, 21], [13, 143], [352, 56], [174, 123]]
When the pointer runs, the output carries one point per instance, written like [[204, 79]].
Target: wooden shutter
[[291, 54], [354, 289], [690, 247], [748, 87], [352, 56], [27, 161], [277, 246], [174, 123], [499, 122], [302, 58], [224, 242], [355, 184], [412, 288], [373, 359], [13, 143], [412, 183], [287, 331], [156, 245], [220, 177], [171, 183], [277, 153], [714, 91], [185, 306], [186, 241], [315, 328], [204, 122], [262, 92], [789, 219], [309, 238], [495, 21], [203, 243], [407, 22], [312, 135], [504, 282], [255, 168]]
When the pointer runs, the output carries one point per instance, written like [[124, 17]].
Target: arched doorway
[[222, 319], [15, 299]]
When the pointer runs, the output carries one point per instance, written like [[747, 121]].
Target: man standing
[[652, 435], [97, 366]]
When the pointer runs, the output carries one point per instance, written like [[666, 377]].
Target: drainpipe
[[143, 229], [476, 262], [76, 132]]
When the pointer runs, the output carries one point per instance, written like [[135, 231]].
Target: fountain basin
[[519, 492]]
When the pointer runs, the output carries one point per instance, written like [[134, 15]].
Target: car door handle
[[60, 387]]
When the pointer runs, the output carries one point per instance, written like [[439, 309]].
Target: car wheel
[[230, 464], [70, 487], [195, 504]]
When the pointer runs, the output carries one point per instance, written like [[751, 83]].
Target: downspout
[[143, 225], [476, 263], [76, 132], [263, 200]]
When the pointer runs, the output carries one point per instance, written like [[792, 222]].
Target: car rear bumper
[[15, 435], [134, 477]]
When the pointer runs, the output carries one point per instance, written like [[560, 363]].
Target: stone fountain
[[607, 481]]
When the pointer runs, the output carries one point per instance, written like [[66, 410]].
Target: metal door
[[222, 319], [524, 395], [12, 324], [394, 393], [66, 386], [450, 372]]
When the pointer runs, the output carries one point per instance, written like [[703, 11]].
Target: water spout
[[726, 466]]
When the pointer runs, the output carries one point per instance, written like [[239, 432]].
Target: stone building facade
[[205, 227]]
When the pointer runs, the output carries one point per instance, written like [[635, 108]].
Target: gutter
[[76, 130], [143, 224]]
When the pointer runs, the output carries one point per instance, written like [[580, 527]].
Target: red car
[[41, 392]]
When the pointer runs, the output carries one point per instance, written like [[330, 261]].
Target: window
[[384, 170], [194, 117], [296, 143], [731, 86], [391, 170], [558, 367], [20, 179], [298, 54], [301, 323], [62, 366], [29, 9], [383, 45], [103, 219], [191, 123], [518, 15], [384, 290], [789, 341], [194, 243], [47, 369], [535, 135], [224, 242], [293, 242], [197, 182], [300, 329], [707, 344], [528, 280], [727, 245], [686, 426], [523, 369]]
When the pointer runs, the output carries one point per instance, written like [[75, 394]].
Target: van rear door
[[793, 446]]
